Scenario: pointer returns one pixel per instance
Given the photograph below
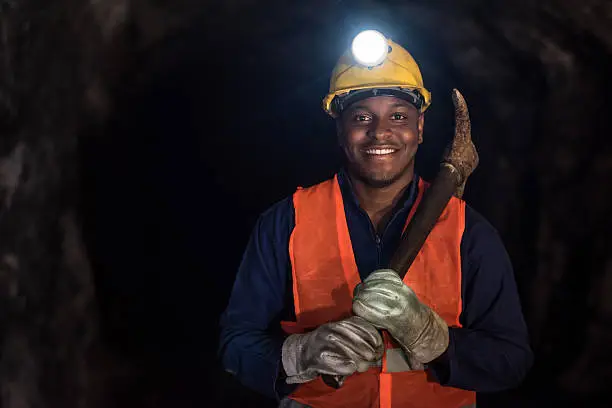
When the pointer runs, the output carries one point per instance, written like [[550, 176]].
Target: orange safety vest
[[324, 276]]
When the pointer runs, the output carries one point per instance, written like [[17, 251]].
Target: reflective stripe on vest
[[324, 276]]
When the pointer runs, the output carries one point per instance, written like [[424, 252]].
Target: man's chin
[[379, 180]]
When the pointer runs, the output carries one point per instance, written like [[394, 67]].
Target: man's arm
[[491, 352], [250, 340]]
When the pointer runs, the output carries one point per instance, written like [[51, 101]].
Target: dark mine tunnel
[[141, 140]]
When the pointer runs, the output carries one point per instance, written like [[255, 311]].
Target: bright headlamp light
[[369, 48]]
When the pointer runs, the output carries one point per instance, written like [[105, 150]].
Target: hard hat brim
[[353, 94], [342, 102]]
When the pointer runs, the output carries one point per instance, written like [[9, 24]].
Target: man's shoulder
[[316, 184], [480, 234], [278, 208], [476, 220], [282, 211], [279, 216]]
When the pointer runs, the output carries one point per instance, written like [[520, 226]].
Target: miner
[[314, 298]]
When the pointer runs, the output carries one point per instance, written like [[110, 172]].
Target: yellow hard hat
[[398, 74]]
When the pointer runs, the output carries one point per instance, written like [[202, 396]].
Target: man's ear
[[421, 126]]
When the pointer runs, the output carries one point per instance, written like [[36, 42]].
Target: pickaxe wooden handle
[[457, 165]]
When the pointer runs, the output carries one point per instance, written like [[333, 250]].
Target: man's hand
[[337, 348], [386, 302]]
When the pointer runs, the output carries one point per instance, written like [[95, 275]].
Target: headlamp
[[369, 48]]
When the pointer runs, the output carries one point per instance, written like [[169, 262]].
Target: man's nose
[[379, 130]]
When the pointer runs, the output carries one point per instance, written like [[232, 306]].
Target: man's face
[[380, 136]]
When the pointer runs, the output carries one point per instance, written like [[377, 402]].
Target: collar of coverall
[[405, 202]]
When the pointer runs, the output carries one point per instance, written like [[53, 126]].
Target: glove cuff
[[432, 342], [290, 351], [291, 358]]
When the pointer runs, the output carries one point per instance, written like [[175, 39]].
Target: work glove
[[338, 349], [388, 303]]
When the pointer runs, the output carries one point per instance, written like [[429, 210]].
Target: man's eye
[[399, 116], [361, 118]]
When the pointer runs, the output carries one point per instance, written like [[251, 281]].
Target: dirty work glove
[[337, 348], [386, 302]]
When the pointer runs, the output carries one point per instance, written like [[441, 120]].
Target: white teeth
[[380, 151]]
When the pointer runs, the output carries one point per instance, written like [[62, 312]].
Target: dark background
[[161, 130]]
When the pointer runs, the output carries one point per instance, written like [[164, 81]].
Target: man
[[312, 299]]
